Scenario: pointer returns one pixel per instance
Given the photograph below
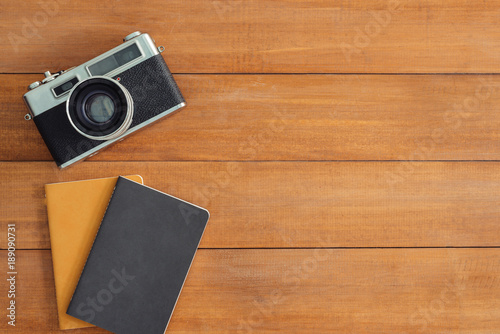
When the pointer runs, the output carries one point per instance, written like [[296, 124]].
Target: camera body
[[84, 109]]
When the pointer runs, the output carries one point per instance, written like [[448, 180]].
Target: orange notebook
[[75, 211]]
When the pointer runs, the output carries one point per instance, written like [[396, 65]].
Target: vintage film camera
[[88, 107]]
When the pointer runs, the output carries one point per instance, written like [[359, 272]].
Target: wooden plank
[[298, 117], [292, 204], [306, 291], [382, 36]]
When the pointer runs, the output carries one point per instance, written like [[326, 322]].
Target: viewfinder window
[[116, 60]]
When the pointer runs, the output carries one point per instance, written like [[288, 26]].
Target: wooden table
[[348, 152]]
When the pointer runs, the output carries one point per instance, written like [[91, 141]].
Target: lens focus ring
[[100, 108]]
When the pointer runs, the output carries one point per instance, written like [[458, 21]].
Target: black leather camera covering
[[153, 90]]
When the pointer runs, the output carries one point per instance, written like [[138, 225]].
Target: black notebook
[[139, 261]]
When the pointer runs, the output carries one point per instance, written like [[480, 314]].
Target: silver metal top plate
[[42, 98]]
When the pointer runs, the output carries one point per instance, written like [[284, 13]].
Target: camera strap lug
[[161, 48], [27, 116]]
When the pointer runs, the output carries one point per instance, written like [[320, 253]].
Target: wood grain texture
[[298, 117], [293, 204], [257, 36], [310, 124], [307, 291]]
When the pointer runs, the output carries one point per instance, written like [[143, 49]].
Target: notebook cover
[[75, 211], [139, 261]]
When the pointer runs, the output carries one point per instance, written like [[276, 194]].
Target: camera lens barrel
[[100, 108]]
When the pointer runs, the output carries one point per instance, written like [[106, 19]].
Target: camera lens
[[100, 108]]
